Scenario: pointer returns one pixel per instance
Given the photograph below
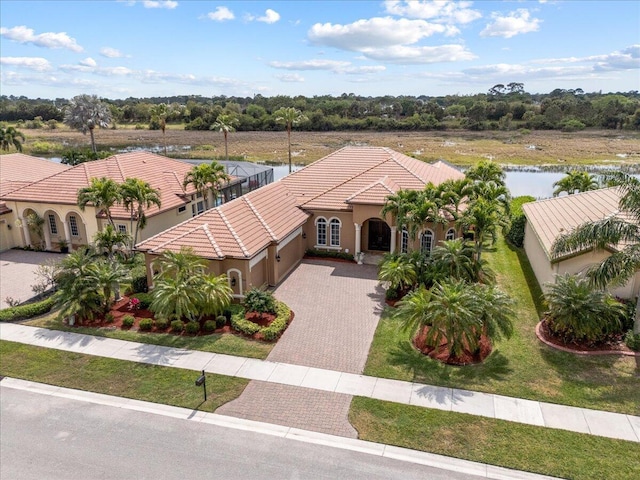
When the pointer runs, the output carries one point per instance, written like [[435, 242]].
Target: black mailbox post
[[202, 380]]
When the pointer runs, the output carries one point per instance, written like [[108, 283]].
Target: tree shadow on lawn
[[428, 370]]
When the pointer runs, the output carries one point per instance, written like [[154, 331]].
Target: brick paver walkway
[[337, 307]]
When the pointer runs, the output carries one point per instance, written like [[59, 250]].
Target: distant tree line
[[503, 107]]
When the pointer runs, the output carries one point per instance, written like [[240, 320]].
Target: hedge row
[[273, 331], [26, 311], [313, 252]]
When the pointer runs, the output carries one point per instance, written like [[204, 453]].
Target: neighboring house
[[333, 204], [16, 171], [548, 219], [54, 198]]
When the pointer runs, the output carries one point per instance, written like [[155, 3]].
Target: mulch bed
[[442, 353], [121, 309], [614, 347]]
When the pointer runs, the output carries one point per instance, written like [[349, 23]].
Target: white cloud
[[168, 4], [290, 78], [417, 55], [364, 69], [22, 34], [111, 52], [626, 59], [514, 23], [270, 16], [373, 33], [221, 14], [89, 62], [446, 11], [38, 64], [310, 65]]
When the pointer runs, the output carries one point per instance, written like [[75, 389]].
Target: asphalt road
[[46, 437]]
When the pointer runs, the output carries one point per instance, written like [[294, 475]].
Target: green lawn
[[496, 442], [227, 343], [170, 386], [518, 367]]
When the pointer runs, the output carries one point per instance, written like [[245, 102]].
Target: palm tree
[[182, 264], [217, 294], [109, 240], [290, 117], [621, 232], [106, 277], [159, 114], [398, 271], [177, 298], [576, 181], [103, 193], [225, 123], [205, 177], [454, 259], [579, 312], [483, 217], [10, 137], [457, 313], [137, 196], [486, 171], [85, 113], [453, 193]]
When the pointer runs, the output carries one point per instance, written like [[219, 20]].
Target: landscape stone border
[[582, 352]]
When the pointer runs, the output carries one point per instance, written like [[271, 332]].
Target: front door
[[379, 236]]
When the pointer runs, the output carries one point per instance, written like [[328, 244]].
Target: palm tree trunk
[[226, 147], [164, 138], [289, 137], [636, 319], [93, 141]]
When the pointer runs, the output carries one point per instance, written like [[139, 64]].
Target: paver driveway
[[17, 273], [337, 307]]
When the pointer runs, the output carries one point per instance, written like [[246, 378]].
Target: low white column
[[394, 236], [47, 235], [67, 232], [358, 237], [27, 233]]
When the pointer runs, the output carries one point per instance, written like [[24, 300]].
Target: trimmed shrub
[[515, 235], [313, 252], [260, 301], [108, 318], [210, 326], [243, 325], [177, 326], [26, 311], [192, 328], [162, 323], [145, 300], [128, 321], [276, 328], [221, 321], [392, 294], [632, 341], [139, 283], [145, 324]]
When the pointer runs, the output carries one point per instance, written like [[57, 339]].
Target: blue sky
[[117, 49]]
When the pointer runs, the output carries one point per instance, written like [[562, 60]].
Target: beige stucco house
[[333, 204], [18, 170], [54, 198], [548, 219]]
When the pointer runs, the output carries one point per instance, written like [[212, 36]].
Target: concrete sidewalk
[[582, 420]]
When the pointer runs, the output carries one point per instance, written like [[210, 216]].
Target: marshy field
[[535, 148]]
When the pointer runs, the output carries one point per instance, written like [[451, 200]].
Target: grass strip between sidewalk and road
[[227, 343], [518, 367], [558, 453], [150, 383]]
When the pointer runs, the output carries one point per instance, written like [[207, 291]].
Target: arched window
[[426, 242], [334, 228], [321, 229], [404, 241], [450, 235]]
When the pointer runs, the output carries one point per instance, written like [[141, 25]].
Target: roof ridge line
[[176, 238], [260, 218], [86, 171], [393, 157], [214, 244], [348, 179], [233, 233], [124, 177], [371, 185]]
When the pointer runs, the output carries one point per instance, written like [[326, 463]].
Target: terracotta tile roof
[[554, 216], [241, 228], [18, 167], [162, 173], [328, 183], [245, 226]]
